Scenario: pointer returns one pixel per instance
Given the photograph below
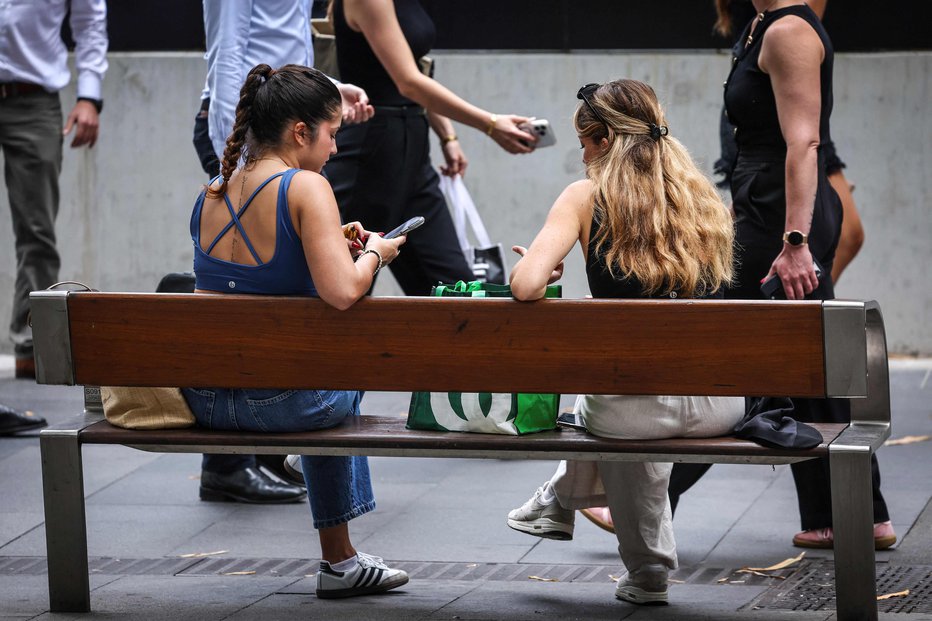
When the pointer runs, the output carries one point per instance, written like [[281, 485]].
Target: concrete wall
[[126, 203]]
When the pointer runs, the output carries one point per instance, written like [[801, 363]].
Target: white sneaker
[[547, 520], [293, 466], [371, 575], [647, 585]]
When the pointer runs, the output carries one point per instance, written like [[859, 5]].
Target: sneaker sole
[[369, 590], [641, 597], [547, 529]]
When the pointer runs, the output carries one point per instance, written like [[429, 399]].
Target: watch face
[[794, 238]]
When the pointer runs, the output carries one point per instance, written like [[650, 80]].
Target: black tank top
[[749, 98], [358, 63], [603, 285]]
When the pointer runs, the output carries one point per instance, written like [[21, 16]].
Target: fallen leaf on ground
[[238, 573], [722, 580], [309, 575], [736, 581], [907, 440], [613, 578], [542, 579], [897, 594], [781, 565], [672, 581], [760, 573], [473, 565], [202, 554]]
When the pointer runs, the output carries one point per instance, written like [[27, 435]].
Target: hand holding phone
[[540, 128], [772, 288]]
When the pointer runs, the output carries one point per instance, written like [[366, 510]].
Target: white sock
[[547, 496], [346, 565]]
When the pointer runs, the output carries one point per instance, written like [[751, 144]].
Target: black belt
[[411, 110], [15, 89]]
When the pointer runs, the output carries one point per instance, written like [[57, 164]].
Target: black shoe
[[276, 465], [248, 485], [12, 421]]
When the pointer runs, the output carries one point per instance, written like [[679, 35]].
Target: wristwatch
[[795, 238]]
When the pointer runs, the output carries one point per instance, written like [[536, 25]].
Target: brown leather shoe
[[26, 368]]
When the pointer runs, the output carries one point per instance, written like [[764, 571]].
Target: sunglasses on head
[[584, 93]]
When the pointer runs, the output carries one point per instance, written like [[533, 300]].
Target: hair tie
[[271, 73], [656, 131]]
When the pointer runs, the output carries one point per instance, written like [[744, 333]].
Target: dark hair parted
[[269, 100]]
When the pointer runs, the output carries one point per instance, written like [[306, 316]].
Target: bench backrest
[[803, 349]]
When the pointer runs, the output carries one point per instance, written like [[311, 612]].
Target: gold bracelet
[[448, 138], [492, 121], [378, 255]]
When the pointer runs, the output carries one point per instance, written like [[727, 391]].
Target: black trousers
[[758, 194], [382, 176]]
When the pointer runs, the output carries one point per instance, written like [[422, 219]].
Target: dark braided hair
[[269, 100]]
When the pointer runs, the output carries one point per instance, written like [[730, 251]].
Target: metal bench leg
[[852, 506], [65, 522]]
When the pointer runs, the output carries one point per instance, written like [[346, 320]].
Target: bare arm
[[339, 280], [563, 228], [456, 161], [792, 54], [377, 21]]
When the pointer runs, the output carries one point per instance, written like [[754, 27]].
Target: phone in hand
[[540, 128], [405, 228], [772, 288]]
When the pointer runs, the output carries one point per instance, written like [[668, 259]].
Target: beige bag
[[145, 408]]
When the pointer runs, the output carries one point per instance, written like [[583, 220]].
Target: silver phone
[[540, 128]]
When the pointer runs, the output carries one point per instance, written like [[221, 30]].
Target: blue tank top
[[285, 273]]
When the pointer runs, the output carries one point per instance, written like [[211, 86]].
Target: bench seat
[[387, 436]]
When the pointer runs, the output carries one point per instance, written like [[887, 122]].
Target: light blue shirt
[[242, 34], [31, 49]]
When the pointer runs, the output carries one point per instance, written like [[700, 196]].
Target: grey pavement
[[443, 520]]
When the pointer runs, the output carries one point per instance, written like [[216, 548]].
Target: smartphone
[[772, 288], [405, 228], [570, 421], [540, 128]]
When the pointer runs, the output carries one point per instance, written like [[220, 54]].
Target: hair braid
[[237, 139]]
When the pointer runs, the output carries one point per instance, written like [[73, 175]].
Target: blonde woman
[[650, 225]]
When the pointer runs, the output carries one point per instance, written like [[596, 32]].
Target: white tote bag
[[486, 259]]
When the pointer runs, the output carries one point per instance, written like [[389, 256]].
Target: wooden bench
[[801, 349]]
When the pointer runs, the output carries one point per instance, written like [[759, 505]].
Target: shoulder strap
[[235, 219]]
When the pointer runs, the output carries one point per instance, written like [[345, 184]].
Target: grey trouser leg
[[30, 134], [637, 496]]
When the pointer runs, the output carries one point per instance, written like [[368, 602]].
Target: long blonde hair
[[661, 219]]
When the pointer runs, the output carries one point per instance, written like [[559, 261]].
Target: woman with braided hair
[[271, 226], [650, 225]]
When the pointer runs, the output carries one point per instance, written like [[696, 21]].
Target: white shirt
[[31, 49], [240, 35]]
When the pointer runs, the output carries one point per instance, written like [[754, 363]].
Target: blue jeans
[[338, 488]]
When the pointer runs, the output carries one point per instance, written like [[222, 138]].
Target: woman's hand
[[557, 273], [509, 136], [388, 249], [356, 108], [794, 267], [455, 158], [355, 236]]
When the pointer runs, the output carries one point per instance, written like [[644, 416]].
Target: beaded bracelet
[[378, 256]]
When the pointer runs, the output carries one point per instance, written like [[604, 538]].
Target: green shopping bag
[[484, 412]]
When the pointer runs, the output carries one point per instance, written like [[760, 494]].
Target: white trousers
[[636, 492]]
